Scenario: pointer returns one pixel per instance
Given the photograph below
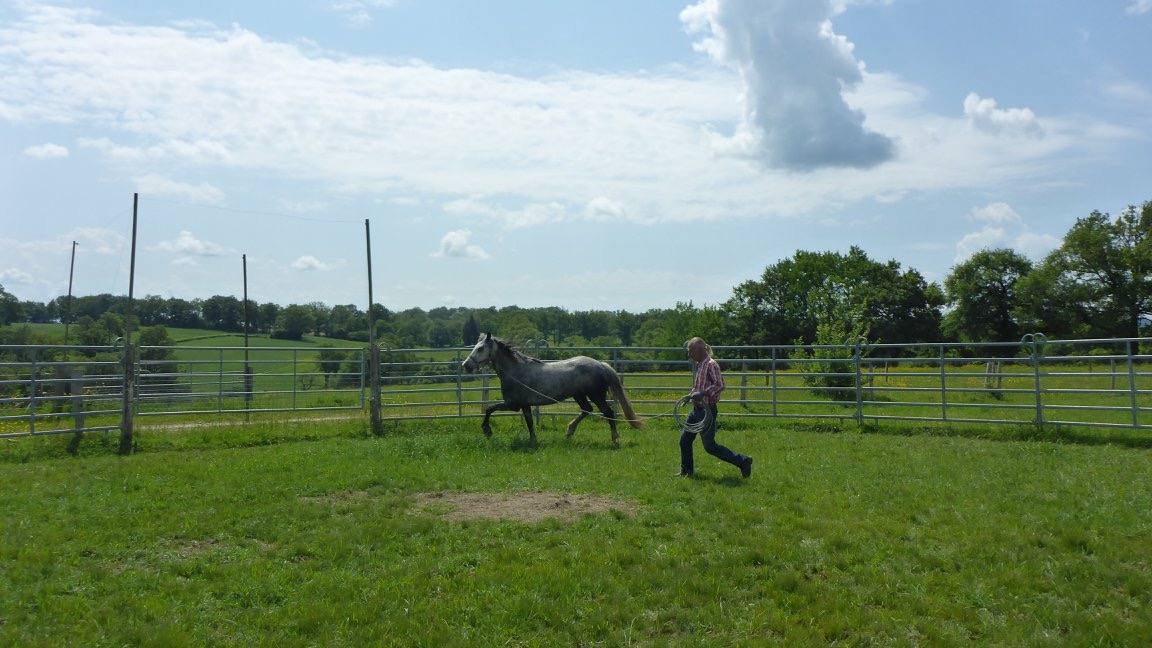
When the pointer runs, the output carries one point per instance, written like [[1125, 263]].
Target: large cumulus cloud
[[795, 71]]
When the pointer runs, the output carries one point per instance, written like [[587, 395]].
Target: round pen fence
[[1035, 381], [237, 380]]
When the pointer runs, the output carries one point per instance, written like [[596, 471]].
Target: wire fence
[[1097, 383]]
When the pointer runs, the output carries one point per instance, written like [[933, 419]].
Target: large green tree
[[95, 306], [471, 331], [343, 319], [158, 353], [10, 308], [223, 313], [293, 322], [409, 329], [1098, 283], [330, 360], [265, 316], [182, 313], [982, 294], [794, 296]]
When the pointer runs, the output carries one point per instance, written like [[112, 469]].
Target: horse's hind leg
[[585, 410], [527, 410], [606, 410]]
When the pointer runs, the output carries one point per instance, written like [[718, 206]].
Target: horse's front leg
[[527, 409], [486, 426]]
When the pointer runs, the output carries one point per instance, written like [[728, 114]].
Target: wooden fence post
[[128, 399], [374, 387]]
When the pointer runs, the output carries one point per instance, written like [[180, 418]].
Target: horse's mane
[[517, 354]]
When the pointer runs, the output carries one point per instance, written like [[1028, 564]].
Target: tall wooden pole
[[248, 384], [371, 317], [129, 351], [244, 260], [68, 303], [374, 347]]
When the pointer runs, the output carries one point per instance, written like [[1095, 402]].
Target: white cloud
[[605, 209], [985, 116], [187, 243], [840, 6], [1036, 246], [456, 245], [15, 275], [1139, 7], [1003, 227], [46, 151], [199, 151], [795, 71], [1129, 93], [358, 12], [530, 215], [228, 98], [996, 213], [517, 151], [985, 239], [94, 239], [311, 263], [154, 184]]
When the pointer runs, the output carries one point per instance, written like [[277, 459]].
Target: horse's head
[[484, 351]]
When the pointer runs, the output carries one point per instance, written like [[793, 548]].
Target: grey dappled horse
[[525, 382]]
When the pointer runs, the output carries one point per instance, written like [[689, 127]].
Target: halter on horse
[[525, 382]]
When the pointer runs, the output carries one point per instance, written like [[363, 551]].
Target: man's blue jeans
[[708, 438]]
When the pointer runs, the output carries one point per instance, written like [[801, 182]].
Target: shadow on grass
[[1125, 438], [730, 481], [545, 440]]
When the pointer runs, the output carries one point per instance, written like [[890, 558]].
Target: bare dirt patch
[[524, 506]]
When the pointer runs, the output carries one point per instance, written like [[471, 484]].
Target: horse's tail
[[622, 398]]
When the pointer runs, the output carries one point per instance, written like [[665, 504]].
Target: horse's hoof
[[488, 432]]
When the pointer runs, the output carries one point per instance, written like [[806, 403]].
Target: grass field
[[282, 534]]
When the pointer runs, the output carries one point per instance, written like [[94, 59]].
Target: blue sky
[[605, 155]]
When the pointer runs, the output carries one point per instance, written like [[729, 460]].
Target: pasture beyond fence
[[1035, 381]]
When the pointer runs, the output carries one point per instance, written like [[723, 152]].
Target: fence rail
[[1099, 383]]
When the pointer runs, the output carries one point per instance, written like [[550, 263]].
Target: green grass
[[839, 537]]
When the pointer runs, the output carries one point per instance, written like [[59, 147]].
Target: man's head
[[698, 349]]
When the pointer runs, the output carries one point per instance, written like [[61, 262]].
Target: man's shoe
[[746, 469], [682, 474]]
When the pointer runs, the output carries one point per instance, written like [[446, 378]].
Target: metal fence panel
[[1100, 383], [1045, 383], [67, 389], [54, 390]]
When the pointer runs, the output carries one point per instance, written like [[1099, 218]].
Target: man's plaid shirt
[[709, 381]]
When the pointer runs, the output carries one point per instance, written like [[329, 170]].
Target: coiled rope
[[691, 427]]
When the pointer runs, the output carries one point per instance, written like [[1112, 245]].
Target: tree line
[[1096, 284]]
